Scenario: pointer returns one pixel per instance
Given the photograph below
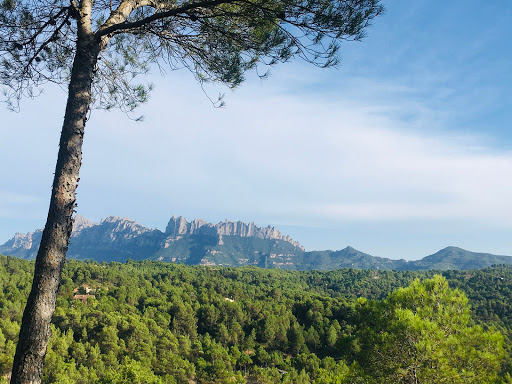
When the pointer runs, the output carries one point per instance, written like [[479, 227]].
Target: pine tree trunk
[[35, 327]]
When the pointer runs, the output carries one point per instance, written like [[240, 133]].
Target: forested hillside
[[154, 322]]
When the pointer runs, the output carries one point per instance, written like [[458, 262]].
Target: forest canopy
[[148, 322]]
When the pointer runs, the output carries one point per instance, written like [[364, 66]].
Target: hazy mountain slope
[[458, 258], [346, 258]]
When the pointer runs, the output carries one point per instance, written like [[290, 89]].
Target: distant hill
[[227, 244], [458, 258], [347, 258]]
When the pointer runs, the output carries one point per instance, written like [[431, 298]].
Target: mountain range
[[227, 244]]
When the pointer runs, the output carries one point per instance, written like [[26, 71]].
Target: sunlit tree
[[98, 47], [422, 334]]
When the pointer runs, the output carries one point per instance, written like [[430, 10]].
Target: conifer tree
[[98, 47], [422, 334]]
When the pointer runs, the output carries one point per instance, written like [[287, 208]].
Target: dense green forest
[[155, 322]]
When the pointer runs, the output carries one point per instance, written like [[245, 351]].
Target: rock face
[[179, 226]]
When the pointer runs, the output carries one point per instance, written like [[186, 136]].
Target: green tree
[[130, 372], [296, 339], [331, 336], [97, 47], [421, 334], [244, 361], [6, 354]]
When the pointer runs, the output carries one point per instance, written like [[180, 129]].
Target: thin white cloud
[[8, 198]]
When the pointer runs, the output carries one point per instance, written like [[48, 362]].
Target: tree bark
[[35, 326]]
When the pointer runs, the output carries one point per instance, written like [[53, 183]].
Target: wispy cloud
[[8, 198], [274, 154], [16, 206]]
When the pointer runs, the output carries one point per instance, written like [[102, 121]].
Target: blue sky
[[404, 149]]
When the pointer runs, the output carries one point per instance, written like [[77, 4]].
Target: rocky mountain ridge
[[227, 244], [179, 226], [118, 239]]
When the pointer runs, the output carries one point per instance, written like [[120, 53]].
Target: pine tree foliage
[[421, 334], [218, 40]]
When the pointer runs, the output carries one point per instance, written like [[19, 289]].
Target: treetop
[[217, 40]]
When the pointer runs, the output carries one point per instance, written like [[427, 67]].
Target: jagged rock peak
[[115, 219], [177, 226], [123, 224], [22, 240], [180, 226], [80, 223]]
